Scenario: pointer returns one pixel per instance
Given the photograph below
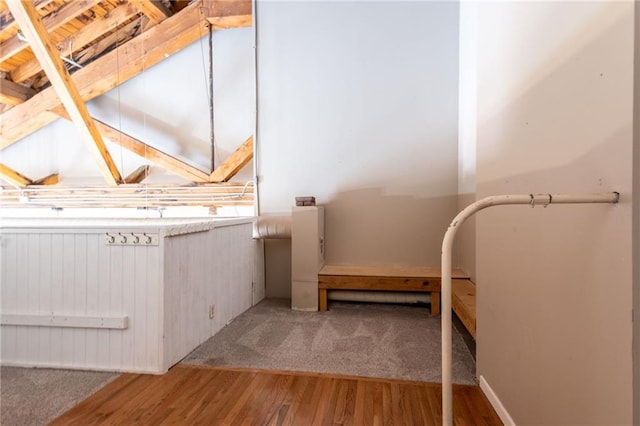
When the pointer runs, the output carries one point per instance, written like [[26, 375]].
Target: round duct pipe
[[272, 227]]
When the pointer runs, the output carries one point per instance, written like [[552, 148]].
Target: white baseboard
[[496, 403]]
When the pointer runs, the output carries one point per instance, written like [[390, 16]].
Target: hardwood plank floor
[[224, 396]]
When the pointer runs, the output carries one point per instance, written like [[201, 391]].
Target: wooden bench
[[463, 303], [415, 279]]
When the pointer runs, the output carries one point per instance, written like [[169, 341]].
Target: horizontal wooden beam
[[138, 175], [14, 45], [32, 26], [14, 177], [223, 14], [234, 163], [138, 195], [238, 21], [13, 93], [79, 39]]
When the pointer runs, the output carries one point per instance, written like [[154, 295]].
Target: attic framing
[[113, 41]]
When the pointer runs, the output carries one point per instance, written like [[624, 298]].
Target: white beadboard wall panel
[[212, 268], [258, 271], [164, 290]]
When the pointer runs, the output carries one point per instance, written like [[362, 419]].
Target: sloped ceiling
[[56, 55]]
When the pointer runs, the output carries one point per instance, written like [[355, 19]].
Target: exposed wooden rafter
[[119, 65], [6, 18], [152, 154], [234, 163], [14, 177], [138, 175], [81, 38], [29, 21], [15, 45], [13, 93], [51, 179], [155, 10], [21, 180]]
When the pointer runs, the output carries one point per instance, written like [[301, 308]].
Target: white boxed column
[[307, 256]]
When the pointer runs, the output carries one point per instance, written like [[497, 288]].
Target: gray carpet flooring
[[33, 396], [375, 340]]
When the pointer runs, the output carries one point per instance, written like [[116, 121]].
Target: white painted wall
[[358, 107], [555, 94], [467, 124], [167, 107]]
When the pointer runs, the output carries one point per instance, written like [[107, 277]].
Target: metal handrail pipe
[[447, 246]]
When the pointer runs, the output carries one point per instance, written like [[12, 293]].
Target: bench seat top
[[389, 271]]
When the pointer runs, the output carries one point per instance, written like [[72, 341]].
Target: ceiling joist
[[80, 39], [15, 45], [155, 10], [29, 21], [13, 93], [6, 18]]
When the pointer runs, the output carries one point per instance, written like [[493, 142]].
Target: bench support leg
[[322, 298], [435, 303]]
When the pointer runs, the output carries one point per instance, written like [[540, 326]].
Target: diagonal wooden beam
[[52, 179], [14, 45], [234, 163], [14, 177], [79, 39], [138, 175], [13, 93], [115, 67], [29, 21], [152, 154], [155, 10]]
